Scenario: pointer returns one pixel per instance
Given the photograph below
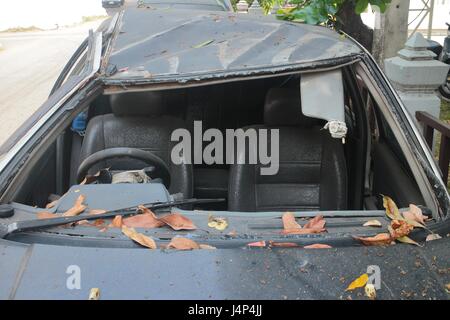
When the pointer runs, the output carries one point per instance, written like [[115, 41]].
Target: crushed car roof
[[157, 44]]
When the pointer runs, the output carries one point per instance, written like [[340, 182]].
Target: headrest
[[283, 108], [148, 103]]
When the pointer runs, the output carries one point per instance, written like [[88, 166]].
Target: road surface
[[30, 62]]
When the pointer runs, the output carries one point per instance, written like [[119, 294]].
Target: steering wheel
[[161, 169]]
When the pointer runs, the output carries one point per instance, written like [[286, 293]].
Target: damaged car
[[192, 154]]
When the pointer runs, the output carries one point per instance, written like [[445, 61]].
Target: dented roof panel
[[157, 44]]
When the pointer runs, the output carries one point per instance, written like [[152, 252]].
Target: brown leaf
[[399, 228], [182, 244], [78, 207], [289, 222], [303, 231], [257, 244], [46, 215], [318, 222], [318, 246], [391, 208], [372, 223], [143, 240], [146, 219], [415, 214], [178, 222], [382, 239], [117, 222], [283, 244], [206, 247]]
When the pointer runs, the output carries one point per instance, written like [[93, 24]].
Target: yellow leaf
[[217, 223], [408, 240], [143, 240], [358, 283], [391, 209], [372, 223]]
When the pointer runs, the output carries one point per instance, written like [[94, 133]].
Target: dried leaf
[[407, 240], [399, 228], [370, 291], [382, 239], [183, 244], [257, 244], [358, 283], [117, 222], [178, 222], [303, 231], [46, 215], [317, 222], [289, 222], [318, 246], [415, 217], [94, 294], [203, 44], [146, 219], [372, 223], [51, 204], [217, 223], [432, 237], [283, 244], [78, 207], [143, 240], [391, 209]]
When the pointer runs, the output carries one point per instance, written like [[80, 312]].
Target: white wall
[[46, 14]]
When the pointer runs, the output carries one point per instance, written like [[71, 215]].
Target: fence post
[[416, 76]]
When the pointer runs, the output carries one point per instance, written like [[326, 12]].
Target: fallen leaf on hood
[[432, 237], [358, 283], [370, 291], [391, 209], [78, 207], [399, 228], [51, 204], [143, 240], [318, 246], [318, 222], [182, 244], [257, 244], [283, 244], [415, 217], [146, 219], [407, 240], [382, 239], [291, 226], [289, 222], [94, 294], [97, 211], [217, 223], [117, 222], [178, 222], [46, 215], [372, 223]]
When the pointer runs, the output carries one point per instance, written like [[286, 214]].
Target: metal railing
[[430, 124]]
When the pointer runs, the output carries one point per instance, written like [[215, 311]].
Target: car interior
[[316, 171]]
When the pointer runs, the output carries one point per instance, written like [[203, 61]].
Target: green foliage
[[323, 11]]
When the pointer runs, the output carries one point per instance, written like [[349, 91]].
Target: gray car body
[[40, 270]]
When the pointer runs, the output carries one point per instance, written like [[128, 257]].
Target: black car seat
[[138, 121], [312, 170]]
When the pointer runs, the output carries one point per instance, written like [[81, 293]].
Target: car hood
[[42, 271], [157, 45]]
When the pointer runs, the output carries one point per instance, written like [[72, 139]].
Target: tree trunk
[[352, 24]]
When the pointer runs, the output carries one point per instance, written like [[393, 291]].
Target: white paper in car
[[322, 97]]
